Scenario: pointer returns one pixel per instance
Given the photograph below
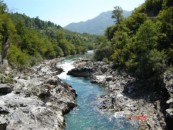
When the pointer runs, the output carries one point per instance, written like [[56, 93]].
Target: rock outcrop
[[37, 99], [168, 80], [81, 72]]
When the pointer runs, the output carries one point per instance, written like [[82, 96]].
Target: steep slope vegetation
[[32, 40], [142, 43]]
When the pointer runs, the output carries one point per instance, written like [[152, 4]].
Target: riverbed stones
[[37, 99]]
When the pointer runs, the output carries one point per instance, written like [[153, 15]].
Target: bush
[[5, 79], [17, 58], [105, 60], [102, 53]]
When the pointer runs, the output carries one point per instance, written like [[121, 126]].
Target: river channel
[[86, 115]]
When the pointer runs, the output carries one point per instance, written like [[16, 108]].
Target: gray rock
[[81, 72], [109, 78], [169, 113], [168, 80], [170, 101], [53, 81], [5, 89], [3, 123], [37, 100], [169, 118]]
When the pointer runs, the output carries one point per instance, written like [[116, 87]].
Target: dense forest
[[33, 40], [142, 44]]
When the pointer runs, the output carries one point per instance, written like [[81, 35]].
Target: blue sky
[[63, 12]]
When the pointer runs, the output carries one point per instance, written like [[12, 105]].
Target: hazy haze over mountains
[[96, 25]]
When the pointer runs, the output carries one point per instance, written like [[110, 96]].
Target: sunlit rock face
[[36, 99]]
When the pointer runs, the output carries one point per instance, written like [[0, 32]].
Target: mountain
[[96, 25]]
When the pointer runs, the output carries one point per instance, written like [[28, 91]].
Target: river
[[86, 115]]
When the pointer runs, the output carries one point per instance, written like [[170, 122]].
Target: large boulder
[[5, 88], [81, 72], [168, 80]]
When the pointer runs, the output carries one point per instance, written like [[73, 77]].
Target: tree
[[3, 7], [38, 23], [134, 21], [167, 3], [6, 29], [144, 44], [33, 40], [152, 7], [103, 53], [117, 14], [104, 49], [165, 22]]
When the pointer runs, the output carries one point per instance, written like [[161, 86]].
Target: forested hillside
[[142, 44], [33, 40]]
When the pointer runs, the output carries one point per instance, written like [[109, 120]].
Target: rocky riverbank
[[168, 80], [36, 99], [133, 99]]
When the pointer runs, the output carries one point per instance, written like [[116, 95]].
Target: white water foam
[[66, 67]]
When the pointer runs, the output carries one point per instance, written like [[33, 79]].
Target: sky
[[63, 12]]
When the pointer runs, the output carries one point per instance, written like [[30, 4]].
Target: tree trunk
[[5, 47]]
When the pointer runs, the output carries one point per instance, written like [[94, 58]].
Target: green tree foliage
[[165, 22], [66, 47], [167, 3], [6, 30], [141, 44], [17, 58], [111, 30], [117, 14], [103, 50], [145, 41], [157, 61], [33, 40], [3, 7], [152, 7], [135, 21]]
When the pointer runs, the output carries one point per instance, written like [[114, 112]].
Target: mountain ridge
[[96, 25]]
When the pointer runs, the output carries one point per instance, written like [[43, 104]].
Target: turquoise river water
[[86, 115]]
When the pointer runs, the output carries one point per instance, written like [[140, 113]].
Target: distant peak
[[96, 25]]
